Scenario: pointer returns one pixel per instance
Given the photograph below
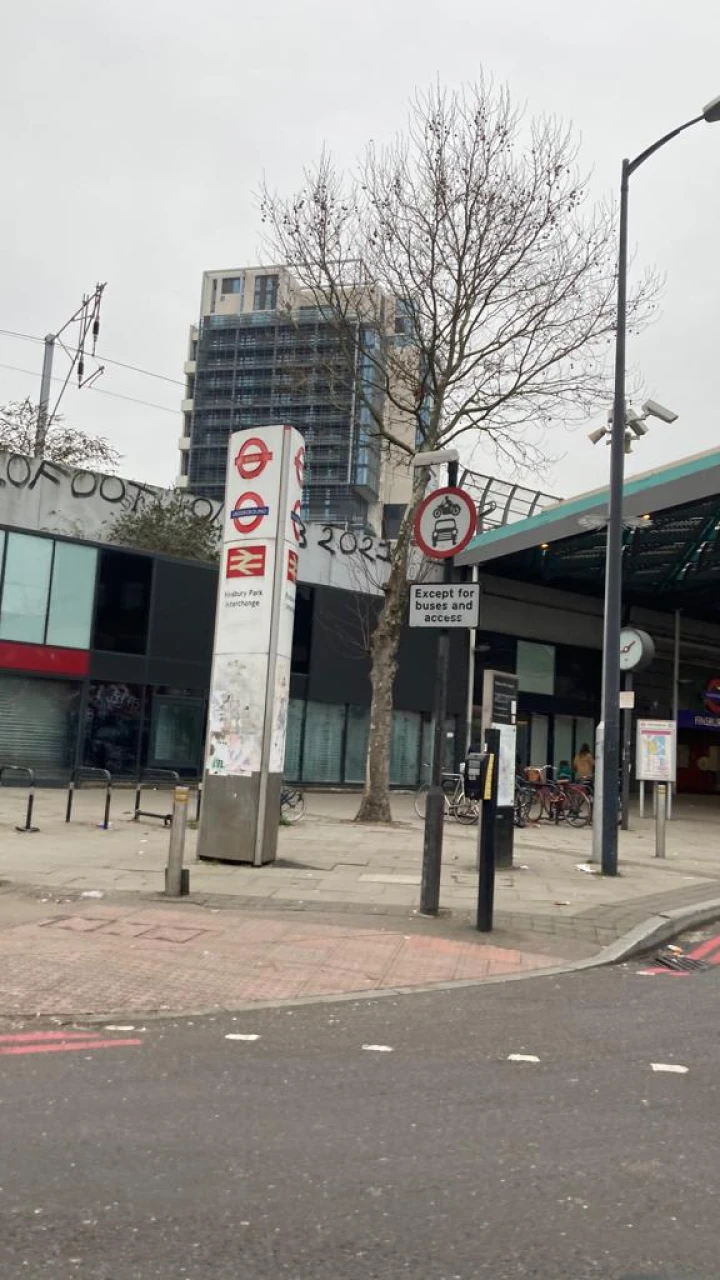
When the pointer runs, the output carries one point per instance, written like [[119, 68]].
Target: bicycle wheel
[[535, 805], [580, 810], [292, 805], [466, 811], [420, 800]]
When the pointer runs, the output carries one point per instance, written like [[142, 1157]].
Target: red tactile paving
[[120, 959]]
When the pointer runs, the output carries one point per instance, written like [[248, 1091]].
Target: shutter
[[36, 726]]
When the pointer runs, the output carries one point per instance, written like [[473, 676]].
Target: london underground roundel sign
[[445, 522]]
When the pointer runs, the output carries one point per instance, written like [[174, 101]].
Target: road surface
[[388, 1138]]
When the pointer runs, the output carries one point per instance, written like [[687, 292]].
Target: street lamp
[[608, 805]]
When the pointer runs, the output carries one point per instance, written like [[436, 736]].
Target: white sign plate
[[445, 522], [444, 604], [655, 754]]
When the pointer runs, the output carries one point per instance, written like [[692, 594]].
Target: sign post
[[655, 761], [250, 681], [499, 714], [445, 522]]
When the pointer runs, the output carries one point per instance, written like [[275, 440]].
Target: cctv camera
[[597, 436], [659, 411], [638, 427]]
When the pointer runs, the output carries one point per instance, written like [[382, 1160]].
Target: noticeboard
[[656, 752]]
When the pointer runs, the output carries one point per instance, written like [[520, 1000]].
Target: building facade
[[263, 353]]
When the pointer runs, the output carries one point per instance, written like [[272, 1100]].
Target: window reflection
[[112, 727], [71, 596], [26, 582]]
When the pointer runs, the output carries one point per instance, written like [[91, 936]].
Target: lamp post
[[613, 554]]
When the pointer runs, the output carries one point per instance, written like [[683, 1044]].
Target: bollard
[[660, 817], [70, 798], [177, 877], [198, 800], [486, 835], [29, 813]]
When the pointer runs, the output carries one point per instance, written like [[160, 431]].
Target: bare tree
[[462, 265], [65, 445]]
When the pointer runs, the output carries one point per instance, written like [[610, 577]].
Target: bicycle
[[292, 804], [457, 804]]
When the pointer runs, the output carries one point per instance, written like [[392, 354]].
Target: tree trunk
[[375, 804]]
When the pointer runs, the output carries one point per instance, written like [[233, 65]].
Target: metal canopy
[[670, 560]]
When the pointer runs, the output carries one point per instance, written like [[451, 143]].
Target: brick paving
[[114, 959], [336, 913]]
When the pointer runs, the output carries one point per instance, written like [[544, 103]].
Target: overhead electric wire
[[99, 390], [148, 373]]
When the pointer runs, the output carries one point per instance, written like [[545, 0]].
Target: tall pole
[[435, 804], [42, 424], [613, 565]]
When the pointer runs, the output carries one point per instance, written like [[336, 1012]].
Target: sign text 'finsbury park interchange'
[[444, 604]]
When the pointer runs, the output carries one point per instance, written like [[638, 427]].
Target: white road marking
[[523, 1057], [673, 1067], [237, 1035], [378, 1048], [116, 1026]]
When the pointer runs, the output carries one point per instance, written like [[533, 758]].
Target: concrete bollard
[[660, 816], [177, 877]]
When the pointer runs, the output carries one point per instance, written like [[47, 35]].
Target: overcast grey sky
[[135, 133]]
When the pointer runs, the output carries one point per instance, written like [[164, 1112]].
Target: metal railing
[[146, 779], [88, 773], [30, 775]]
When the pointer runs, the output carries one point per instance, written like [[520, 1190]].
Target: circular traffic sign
[[297, 521], [445, 522], [712, 695], [252, 458], [248, 512]]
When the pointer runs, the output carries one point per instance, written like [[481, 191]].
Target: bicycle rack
[[147, 777], [30, 775], [77, 778]]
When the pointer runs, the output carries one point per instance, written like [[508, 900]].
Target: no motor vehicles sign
[[445, 522]]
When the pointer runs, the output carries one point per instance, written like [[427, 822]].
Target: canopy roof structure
[[671, 544]]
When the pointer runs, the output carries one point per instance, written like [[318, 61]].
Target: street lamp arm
[[649, 151]]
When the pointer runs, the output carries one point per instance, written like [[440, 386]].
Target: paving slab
[[330, 872]]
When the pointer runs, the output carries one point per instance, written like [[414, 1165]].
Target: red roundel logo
[[248, 512], [712, 696], [252, 458], [297, 522]]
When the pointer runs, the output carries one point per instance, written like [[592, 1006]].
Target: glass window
[[358, 726], [536, 667], [293, 739], [584, 733], [405, 748], [265, 295], [123, 602], [72, 595], [112, 727], [322, 758], [563, 740], [28, 562], [539, 741], [176, 733], [232, 284]]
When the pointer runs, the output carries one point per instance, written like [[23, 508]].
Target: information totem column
[[250, 681], [499, 711]]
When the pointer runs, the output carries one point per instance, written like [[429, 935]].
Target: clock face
[[632, 649]]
